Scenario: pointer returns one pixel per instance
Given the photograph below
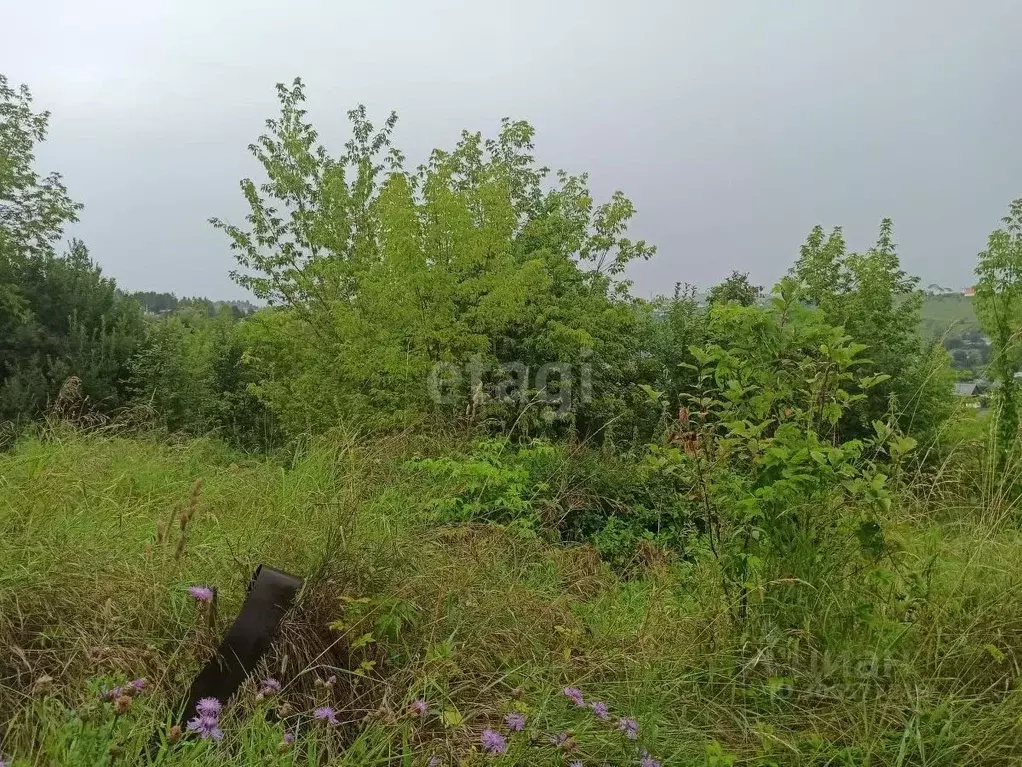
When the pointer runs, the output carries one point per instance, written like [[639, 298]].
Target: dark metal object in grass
[[270, 594]]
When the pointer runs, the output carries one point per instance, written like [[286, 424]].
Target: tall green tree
[[736, 289], [59, 317], [878, 304], [34, 209], [999, 307], [190, 370], [821, 271], [378, 273]]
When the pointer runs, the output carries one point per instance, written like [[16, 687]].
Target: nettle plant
[[497, 483], [779, 494]]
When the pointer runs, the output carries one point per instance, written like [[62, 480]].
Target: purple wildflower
[[202, 594], [434, 761], [629, 727], [2, 762], [418, 707], [289, 738], [127, 690], [515, 722], [208, 707], [206, 726], [559, 739], [576, 763], [648, 761], [326, 714], [269, 687], [599, 709], [575, 695], [493, 742]]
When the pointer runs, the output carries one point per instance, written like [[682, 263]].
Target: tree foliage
[[190, 369], [379, 272], [999, 306], [778, 487], [735, 289], [33, 209], [59, 317], [878, 304]]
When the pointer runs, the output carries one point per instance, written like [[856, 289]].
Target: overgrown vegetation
[[540, 521]]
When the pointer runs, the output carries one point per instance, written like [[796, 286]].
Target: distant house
[[979, 388], [969, 292], [967, 389]]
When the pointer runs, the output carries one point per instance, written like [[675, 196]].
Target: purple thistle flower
[[515, 722], [138, 685], [2, 762], [648, 761], [289, 738], [629, 727], [208, 707], [326, 714], [576, 763], [599, 709], [206, 726], [269, 687], [418, 707], [575, 695], [202, 594], [493, 742]]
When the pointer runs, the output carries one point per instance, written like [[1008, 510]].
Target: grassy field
[[918, 667], [951, 315]]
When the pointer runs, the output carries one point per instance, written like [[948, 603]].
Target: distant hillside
[[954, 313], [165, 303]]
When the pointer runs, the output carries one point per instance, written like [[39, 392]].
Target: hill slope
[[952, 315], [478, 621]]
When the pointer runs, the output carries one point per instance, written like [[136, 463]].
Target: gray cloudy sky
[[734, 126]]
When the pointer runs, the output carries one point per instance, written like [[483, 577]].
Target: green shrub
[[568, 493]]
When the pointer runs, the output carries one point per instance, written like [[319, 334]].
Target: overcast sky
[[733, 126]]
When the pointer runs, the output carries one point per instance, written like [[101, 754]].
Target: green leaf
[[776, 685], [654, 396], [871, 538], [451, 717], [903, 445], [362, 641], [995, 653], [868, 382]]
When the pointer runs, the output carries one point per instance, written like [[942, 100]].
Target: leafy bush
[[570, 493], [377, 273], [59, 317], [780, 493], [191, 368], [878, 305]]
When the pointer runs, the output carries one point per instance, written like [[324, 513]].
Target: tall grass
[[916, 665]]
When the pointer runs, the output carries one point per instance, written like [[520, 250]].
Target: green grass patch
[[478, 620]]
